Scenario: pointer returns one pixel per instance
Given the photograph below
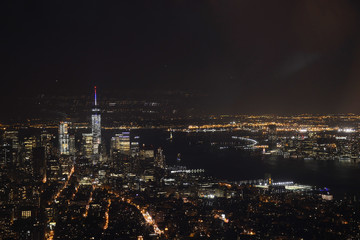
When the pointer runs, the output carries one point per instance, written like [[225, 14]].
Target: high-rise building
[[87, 144], [135, 148], [272, 133], [6, 156], [12, 138], [96, 128], [125, 143], [64, 138], [121, 151], [53, 170], [46, 141], [28, 144], [39, 163], [72, 148], [121, 142], [10, 148], [160, 159], [146, 154], [26, 154]]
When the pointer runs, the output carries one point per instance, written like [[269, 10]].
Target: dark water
[[242, 165]]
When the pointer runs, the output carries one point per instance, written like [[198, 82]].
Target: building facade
[[64, 138]]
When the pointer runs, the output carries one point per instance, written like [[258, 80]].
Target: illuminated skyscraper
[[121, 142], [46, 142], [28, 145], [96, 128], [87, 144], [64, 138], [10, 148], [12, 138]]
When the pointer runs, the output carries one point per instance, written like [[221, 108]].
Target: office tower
[[72, 149], [135, 148], [125, 143], [121, 143], [12, 138], [146, 153], [121, 152], [160, 159], [96, 128], [112, 146], [6, 156], [46, 141], [146, 158], [28, 145], [121, 161], [39, 163], [26, 154], [272, 136], [64, 138], [10, 148], [53, 170], [87, 145]]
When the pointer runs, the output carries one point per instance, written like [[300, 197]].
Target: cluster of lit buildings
[[309, 137], [91, 141], [70, 183]]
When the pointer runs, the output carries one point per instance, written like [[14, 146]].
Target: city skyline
[[85, 180], [180, 119]]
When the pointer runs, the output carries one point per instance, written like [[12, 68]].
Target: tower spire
[[95, 96]]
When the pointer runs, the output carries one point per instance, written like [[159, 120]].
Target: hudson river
[[242, 165]]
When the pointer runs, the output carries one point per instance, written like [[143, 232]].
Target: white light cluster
[[188, 171], [283, 183], [346, 130]]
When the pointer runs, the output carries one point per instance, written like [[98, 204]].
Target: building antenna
[[95, 96]]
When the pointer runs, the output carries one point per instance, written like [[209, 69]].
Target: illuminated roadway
[[147, 217], [89, 201], [65, 184], [252, 141], [50, 235]]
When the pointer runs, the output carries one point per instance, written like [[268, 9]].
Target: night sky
[[251, 56]]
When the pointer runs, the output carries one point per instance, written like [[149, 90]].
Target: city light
[[184, 120]]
